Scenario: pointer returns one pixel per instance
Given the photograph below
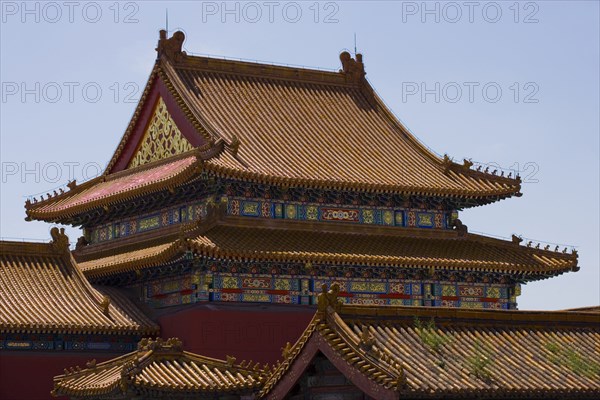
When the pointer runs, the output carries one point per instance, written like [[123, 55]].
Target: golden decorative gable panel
[[161, 139]]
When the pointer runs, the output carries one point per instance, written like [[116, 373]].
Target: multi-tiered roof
[[381, 352], [277, 125], [293, 178], [325, 135], [239, 239]]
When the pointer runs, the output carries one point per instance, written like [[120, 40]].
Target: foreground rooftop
[[159, 368], [383, 352]]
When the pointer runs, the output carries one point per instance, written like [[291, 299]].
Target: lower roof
[[451, 353], [387, 352], [158, 368], [106, 190], [43, 290], [257, 240]]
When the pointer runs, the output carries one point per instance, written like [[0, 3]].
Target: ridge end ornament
[[171, 47]]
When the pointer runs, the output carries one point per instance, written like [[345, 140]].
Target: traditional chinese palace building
[[284, 236]]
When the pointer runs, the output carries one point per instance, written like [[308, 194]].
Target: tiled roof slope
[[142, 257], [159, 368], [283, 126], [461, 354], [43, 290], [329, 243], [313, 128], [118, 187]]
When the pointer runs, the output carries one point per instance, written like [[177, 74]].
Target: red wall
[[248, 332], [254, 332], [27, 375]]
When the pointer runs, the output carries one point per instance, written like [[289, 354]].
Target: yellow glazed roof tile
[[286, 242], [160, 367], [323, 131], [424, 351], [43, 290], [282, 126]]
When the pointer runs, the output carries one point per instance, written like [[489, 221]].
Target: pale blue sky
[[550, 49]]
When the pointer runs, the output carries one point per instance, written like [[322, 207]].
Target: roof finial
[[355, 51], [329, 298], [516, 239], [167, 21], [234, 145], [460, 228], [367, 340], [172, 47], [230, 361], [353, 68], [159, 345], [60, 241]]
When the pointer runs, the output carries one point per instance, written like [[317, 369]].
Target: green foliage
[[430, 336], [572, 358], [553, 348], [480, 361]]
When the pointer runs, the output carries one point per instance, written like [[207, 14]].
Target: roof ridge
[[517, 242], [470, 316], [362, 346], [260, 69], [134, 118], [24, 247], [169, 79], [171, 50], [157, 72], [290, 353], [60, 241]]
